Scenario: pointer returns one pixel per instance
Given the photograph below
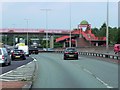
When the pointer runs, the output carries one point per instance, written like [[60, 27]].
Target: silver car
[[4, 57]]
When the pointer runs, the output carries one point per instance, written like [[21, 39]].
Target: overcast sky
[[61, 13]]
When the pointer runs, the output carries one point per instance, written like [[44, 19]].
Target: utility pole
[[107, 28], [27, 21], [70, 25], [13, 35], [46, 11]]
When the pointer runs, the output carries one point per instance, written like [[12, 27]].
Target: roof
[[62, 38], [84, 22]]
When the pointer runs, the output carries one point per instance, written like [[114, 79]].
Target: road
[[14, 65], [87, 72]]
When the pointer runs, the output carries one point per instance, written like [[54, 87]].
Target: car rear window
[[17, 51], [71, 49]]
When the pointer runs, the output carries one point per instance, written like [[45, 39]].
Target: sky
[[61, 15]]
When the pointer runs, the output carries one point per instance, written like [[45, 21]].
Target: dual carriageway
[[86, 72], [89, 71]]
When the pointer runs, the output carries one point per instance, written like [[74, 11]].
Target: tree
[[95, 31], [103, 30], [113, 35], [118, 40]]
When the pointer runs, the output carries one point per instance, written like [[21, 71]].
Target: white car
[[4, 57]]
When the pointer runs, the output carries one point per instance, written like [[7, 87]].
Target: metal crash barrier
[[116, 57]]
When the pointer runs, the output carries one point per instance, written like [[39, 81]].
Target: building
[[82, 37]]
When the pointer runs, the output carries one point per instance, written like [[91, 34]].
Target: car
[[17, 54], [25, 49], [33, 50], [117, 48], [70, 53], [4, 57]]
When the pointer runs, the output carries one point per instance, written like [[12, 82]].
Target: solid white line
[[7, 80], [20, 75], [20, 67], [14, 69], [34, 59], [6, 73]]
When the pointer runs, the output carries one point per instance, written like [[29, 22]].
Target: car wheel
[[77, 58], [65, 58], [6, 64], [13, 58], [9, 63], [24, 58]]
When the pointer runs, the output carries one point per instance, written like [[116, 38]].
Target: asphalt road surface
[[14, 64], [54, 72]]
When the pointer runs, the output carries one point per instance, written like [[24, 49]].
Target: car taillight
[[21, 53], [13, 53], [66, 52], [76, 52], [3, 57]]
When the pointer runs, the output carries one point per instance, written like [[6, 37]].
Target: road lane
[[14, 65], [106, 71], [54, 72]]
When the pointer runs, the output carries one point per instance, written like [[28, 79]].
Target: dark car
[[70, 53], [33, 50], [17, 54]]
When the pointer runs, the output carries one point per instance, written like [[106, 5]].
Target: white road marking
[[86, 70], [34, 59], [6, 73], [15, 69], [20, 67], [7, 80]]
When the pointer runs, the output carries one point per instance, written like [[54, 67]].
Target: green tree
[[102, 30], [95, 31], [118, 40]]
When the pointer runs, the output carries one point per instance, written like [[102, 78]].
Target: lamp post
[[70, 24], [107, 31], [27, 21], [46, 11], [13, 34]]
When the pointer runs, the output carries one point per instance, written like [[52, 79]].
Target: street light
[[27, 21], [70, 25], [13, 34], [46, 11], [107, 31]]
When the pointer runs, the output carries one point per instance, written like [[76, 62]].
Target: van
[[4, 57], [25, 49], [117, 48]]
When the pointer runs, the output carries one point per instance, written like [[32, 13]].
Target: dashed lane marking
[[101, 81]]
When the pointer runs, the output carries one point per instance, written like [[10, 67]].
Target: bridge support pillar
[[76, 43], [52, 42], [96, 44], [0, 38]]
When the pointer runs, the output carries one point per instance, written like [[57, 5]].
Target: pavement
[[19, 78]]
